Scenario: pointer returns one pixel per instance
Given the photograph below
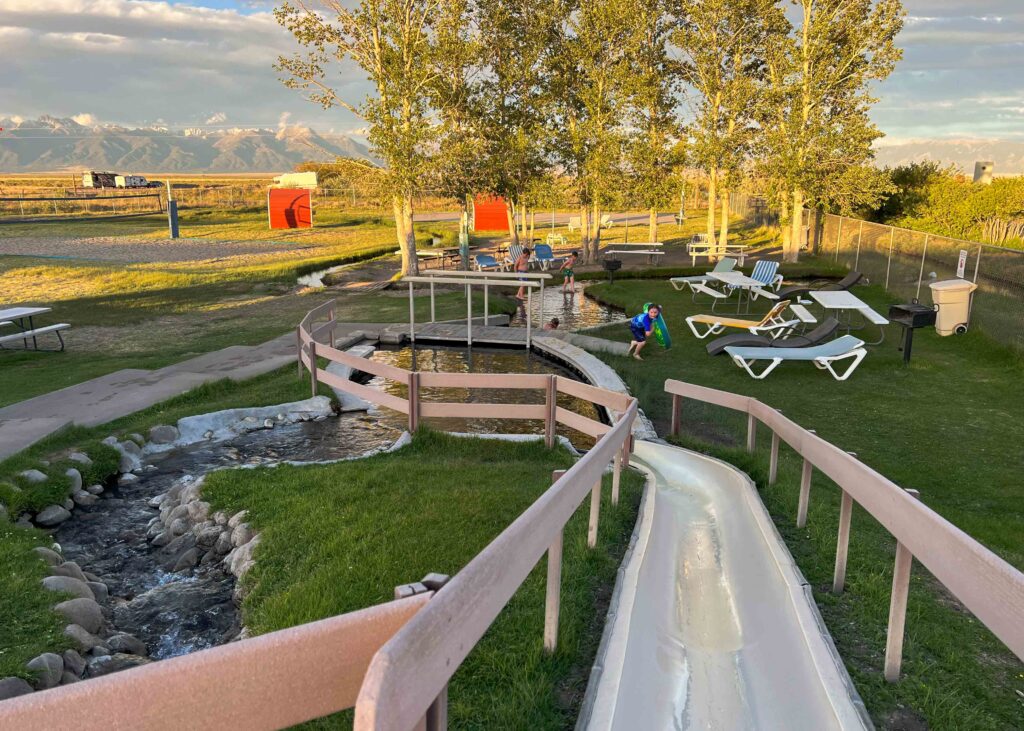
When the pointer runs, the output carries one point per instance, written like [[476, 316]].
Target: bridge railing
[[989, 587]]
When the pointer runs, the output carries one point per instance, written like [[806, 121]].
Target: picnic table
[[844, 301], [17, 316], [643, 248], [738, 281], [443, 256]]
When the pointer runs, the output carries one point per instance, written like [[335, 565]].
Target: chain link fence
[[906, 261]]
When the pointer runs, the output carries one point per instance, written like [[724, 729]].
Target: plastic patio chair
[[823, 356]]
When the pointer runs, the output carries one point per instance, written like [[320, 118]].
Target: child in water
[[552, 324], [568, 274], [642, 326]]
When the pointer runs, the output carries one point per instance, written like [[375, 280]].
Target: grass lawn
[[339, 537], [950, 426]]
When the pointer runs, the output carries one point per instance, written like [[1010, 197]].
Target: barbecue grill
[[611, 266], [910, 317]]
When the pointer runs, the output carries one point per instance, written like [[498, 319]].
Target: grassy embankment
[[950, 426], [339, 537]]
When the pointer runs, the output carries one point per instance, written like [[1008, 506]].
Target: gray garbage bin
[[953, 299]]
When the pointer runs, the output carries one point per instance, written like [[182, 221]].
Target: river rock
[[100, 591], [68, 504], [75, 477], [207, 537], [67, 678], [81, 458], [156, 502], [83, 639], [220, 517], [241, 558], [179, 527], [69, 568], [94, 489], [180, 544], [47, 554], [162, 539], [241, 535], [237, 518], [81, 497], [163, 434], [223, 544], [187, 560], [131, 445], [138, 439], [106, 664], [127, 478], [52, 515], [33, 476], [76, 587], [181, 511], [86, 613], [126, 643], [48, 668], [74, 662], [13, 687], [198, 511]]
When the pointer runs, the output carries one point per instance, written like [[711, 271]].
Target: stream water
[[178, 613], [573, 311]]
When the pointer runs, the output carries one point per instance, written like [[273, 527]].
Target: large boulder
[[48, 669], [84, 612], [70, 585], [69, 568], [52, 515], [13, 687], [47, 554]]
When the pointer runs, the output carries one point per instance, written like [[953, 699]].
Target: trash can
[[952, 297]]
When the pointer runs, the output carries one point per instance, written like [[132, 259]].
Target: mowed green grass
[[340, 537], [950, 425]]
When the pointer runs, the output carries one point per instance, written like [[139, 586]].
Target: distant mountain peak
[[55, 144], [1008, 155]]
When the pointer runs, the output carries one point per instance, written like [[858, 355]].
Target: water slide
[[712, 625]]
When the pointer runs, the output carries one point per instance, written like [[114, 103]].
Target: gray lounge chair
[[798, 290], [823, 356], [821, 334]]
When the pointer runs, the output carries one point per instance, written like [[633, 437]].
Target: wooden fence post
[[550, 403], [677, 411], [437, 713], [898, 608], [298, 348], [805, 494], [842, 542], [414, 401], [773, 460], [312, 366], [751, 433], [595, 510], [616, 477], [553, 597]]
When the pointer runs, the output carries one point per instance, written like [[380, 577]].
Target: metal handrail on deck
[[984, 583]]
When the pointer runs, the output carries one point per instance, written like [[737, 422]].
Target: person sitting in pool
[[569, 277], [522, 264], [642, 326], [552, 324]]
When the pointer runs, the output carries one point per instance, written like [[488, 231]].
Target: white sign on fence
[[961, 264]]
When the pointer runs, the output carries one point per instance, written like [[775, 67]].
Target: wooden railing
[[265, 682], [985, 584]]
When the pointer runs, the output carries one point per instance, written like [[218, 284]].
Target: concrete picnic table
[[17, 316]]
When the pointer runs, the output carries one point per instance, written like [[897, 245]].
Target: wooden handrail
[[414, 667], [988, 586], [237, 685]]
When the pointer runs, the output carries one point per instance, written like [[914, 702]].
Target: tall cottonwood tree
[[591, 72], [653, 153], [393, 42], [516, 43], [821, 135], [723, 43]]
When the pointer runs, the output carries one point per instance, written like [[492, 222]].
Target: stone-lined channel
[[175, 613]]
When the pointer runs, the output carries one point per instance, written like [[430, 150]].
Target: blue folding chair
[[543, 254], [486, 261]]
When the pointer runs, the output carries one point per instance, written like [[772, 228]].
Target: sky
[[209, 63]]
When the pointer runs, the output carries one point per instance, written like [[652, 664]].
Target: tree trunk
[[785, 225], [595, 233], [652, 227], [798, 226], [712, 203], [585, 233], [510, 213], [406, 234], [723, 237]]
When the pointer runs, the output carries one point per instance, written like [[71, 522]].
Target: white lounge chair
[[606, 221], [724, 265], [823, 356], [575, 223], [773, 323]]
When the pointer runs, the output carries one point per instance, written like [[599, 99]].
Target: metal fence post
[[888, 264], [898, 608], [920, 274]]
